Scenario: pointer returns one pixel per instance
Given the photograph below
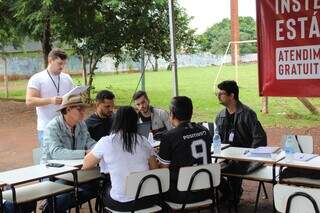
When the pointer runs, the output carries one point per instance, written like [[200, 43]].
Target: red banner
[[289, 47]]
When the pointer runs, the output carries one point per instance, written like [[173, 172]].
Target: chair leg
[[90, 206], [97, 204], [216, 201], [265, 191], [257, 197]]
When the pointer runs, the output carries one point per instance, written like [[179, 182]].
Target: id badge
[[231, 136]]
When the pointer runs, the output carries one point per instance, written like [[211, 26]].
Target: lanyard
[[54, 83]]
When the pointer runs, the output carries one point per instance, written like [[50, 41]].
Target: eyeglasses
[[79, 108], [220, 93]]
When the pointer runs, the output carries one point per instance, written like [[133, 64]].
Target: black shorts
[[141, 203], [176, 196]]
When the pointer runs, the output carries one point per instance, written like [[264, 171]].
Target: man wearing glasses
[[238, 126], [66, 137]]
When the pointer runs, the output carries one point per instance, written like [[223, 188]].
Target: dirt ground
[[18, 137]]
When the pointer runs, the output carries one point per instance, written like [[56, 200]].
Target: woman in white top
[[123, 152]]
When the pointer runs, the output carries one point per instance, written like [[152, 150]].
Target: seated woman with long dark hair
[[123, 152]]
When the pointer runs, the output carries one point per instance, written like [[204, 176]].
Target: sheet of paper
[[303, 156], [77, 90]]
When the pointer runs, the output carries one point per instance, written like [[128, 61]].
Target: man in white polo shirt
[[46, 88]]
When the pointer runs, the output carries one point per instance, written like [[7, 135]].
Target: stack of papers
[[263, 151], [303, 156]]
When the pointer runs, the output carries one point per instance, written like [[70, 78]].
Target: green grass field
[[197, 83]]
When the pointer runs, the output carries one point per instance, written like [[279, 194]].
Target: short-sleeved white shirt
[[121, 163], [42, 82]]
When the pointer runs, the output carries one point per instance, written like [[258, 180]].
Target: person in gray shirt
[[157, 118]]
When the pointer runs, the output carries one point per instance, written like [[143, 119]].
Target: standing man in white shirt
[[46, 88]]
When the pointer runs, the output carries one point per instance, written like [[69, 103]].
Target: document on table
[[303, 156], [263, 151]]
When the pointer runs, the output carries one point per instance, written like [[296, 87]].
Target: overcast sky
[[208, 12]]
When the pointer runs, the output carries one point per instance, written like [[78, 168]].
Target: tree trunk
[[91, 73], [84, 72], [46, 40], [92, 67], [156, 68]]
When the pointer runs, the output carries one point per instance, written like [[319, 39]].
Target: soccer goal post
[[236, 60], [264, 99]]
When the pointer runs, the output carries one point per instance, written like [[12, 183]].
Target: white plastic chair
[[296, 199], [209, 126], [263, 175], [142, 184], [304, 143], [196, 178]]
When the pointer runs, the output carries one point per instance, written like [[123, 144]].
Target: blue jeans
[[66, 201], [20, 208], [40, 138]]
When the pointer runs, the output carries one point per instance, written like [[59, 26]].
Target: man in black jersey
[[99, 123], [187, 144], [238, 126]]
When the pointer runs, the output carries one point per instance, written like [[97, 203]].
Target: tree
[[35, 20], [8, 34], [93, 29], [119, 28], [215, 40], [102, 27], [147, 26]]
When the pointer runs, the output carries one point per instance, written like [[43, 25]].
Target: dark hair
[[181, 108], [125, 122], [58, 53], [63, 111], [139, 94], [104, 94], [230, 87]]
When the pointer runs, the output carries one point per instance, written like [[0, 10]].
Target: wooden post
[[5, 77], [235, 32], [265, 108], [309, 105], [236, 63]]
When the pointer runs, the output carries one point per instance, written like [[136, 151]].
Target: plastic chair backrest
[[300, 201], [209, 126], [305, 142], [201, 180], [150, 185]]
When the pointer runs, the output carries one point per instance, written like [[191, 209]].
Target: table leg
[[14, 199], [76, 188], [273, 183], [1, 201]]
